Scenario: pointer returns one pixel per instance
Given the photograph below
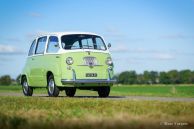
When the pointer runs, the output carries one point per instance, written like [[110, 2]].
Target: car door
[[37, 65], [52, 57], [29, 63]]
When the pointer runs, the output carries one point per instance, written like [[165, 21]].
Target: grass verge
[[49, 113]]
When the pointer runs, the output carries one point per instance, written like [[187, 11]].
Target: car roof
[[65, 33]]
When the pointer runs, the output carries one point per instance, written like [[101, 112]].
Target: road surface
[[168, 99]]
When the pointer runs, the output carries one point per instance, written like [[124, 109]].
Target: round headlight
[[69, 60], [109, 61]]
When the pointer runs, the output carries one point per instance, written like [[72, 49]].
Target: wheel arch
[[21, 78], [48, 74]]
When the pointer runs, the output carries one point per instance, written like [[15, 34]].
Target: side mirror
[[109, 45]]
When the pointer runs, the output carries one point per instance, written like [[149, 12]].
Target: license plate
[[91, 74]]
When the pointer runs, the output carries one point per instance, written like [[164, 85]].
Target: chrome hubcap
[[25, 86], [51, 86]]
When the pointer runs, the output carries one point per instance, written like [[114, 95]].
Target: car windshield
[[82, 41]]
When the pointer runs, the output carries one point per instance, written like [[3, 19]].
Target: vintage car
[[68, 61]]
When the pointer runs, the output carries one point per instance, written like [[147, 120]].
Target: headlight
[[69, 60], [109, 61]]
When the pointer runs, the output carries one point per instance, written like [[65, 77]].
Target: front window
[[53, 44], [82, 41]]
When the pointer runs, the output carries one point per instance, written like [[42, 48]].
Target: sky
[[145, 34]]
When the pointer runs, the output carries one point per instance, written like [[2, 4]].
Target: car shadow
[[98, 97], [110, 97]]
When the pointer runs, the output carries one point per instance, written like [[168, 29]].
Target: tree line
[[154, 77], [7, 80], [132, 77]]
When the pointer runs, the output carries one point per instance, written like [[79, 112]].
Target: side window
[[32, 48], [53, 44], [100, 44], [40, 45]]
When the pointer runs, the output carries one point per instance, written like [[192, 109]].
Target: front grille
[[90, 61]]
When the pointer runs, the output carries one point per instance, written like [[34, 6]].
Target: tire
[[53, 90], [104, 91], [27, 90], [70, 92]]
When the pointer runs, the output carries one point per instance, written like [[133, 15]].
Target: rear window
[[32, 48]]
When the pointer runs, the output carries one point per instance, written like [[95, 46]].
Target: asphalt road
[[168, 99]]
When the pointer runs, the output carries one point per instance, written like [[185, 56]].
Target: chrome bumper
[[74, 80], [87, 81]]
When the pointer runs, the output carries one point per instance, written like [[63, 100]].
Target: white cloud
[[121, 48], [13, 39], [114, 32], [32, 35], [141, 50], [8, 49], [164, 56]]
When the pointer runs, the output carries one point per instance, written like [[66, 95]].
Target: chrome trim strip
[[66, 81], [87, 65], [74, 75], [109, 77]]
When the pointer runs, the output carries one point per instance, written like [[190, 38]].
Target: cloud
[[164, 56], [121, 48], [32, 35], [35, 14], [9, 49], [13, 39], [114, 32], [124, 48]]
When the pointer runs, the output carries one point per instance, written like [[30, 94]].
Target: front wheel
[[53, 90], [104, 91], [27, 90]]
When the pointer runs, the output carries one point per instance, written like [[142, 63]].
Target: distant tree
[[5, 80], [164, 78], [146, 76], [192, 77], [132, 77], [18, 79], [150, 77], [127, 77], [140, 79], [174, 77], [185, 76], [153, 75], [124, 77]]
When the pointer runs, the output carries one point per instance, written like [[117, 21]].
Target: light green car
[[68, 61]]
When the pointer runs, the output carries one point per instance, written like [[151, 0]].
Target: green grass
[[155, 90], [140, 90], [82, 113]]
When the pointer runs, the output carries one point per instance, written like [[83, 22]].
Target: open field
[[19, 112], [129, 90], [49, 113]]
